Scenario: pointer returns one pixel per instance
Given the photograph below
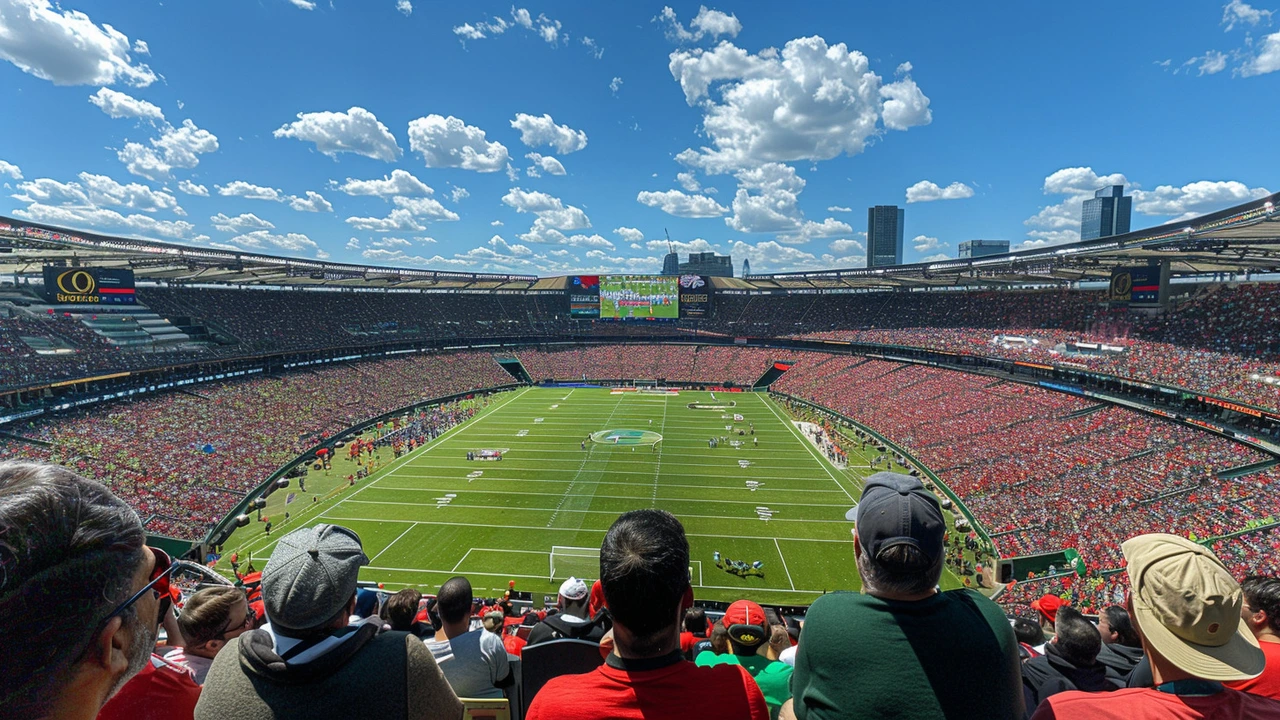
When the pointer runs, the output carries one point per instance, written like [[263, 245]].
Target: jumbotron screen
[[639, 297]]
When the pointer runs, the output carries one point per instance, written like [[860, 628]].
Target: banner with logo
[[695, 297], [89, 285]]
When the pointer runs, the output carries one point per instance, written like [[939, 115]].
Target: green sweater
[[386, 676], [952, 655]]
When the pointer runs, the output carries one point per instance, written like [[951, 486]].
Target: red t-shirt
[[1148, 704], [680, 690], [1268, 683], [161, 691]]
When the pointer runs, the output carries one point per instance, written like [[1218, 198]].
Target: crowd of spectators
[[1213, 340], [184, 459], [80, 621], [675, 363], [1047, 471]]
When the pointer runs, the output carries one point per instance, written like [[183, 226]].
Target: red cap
[[744, 612], [1048, 606]]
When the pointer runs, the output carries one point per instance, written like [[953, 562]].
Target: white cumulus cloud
[[1237, 12], [425, 207], [811, 101], [629, 234], [313, 202], [707, 23], [926, 191], [66, 47], [399, 182], [122, 105], [536, 131], [405, 7], [240, 224], [543, 164], [355, 131], [924, 243], [398, 219], [8, 168], [448, 142], [191, 188], [675, 202], [249, 191]]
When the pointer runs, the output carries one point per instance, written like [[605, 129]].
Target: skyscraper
[[707, 263], [983, 248], [1106, 214], [671, 264], [746, 267], [884, 235]]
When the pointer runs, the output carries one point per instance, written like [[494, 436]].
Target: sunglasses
[[159, 582]]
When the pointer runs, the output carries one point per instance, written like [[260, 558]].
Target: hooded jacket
[[1052, 673], [1120, 660], [353, 672]]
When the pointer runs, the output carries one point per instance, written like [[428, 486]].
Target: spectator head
[[76, 618], [402, 609], [309, 583], [1187, 609], [212, 617], [644, 568], [748, 627], [719, 639], [573, 597], [695, 621], [1116, 628], [779, 640], [1261, 609], [1028, 632], [1048, 606], [454, 601], [597, 599], [1077, 639], [898, 537]]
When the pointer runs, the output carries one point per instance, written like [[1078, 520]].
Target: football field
[[433, 514]]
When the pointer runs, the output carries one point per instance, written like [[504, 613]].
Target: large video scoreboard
[[89, 285], [639, 297], [1140, 285]]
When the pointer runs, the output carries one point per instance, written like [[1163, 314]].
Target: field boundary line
[[519, 575], [808, 446], [631, 497], [557, 511], [456, 565], [609, 482], [393, 542], [784, 564]]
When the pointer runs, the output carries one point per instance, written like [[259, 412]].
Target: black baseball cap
[[896, 509]]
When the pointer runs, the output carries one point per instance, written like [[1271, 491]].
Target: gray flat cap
[[311, 576]]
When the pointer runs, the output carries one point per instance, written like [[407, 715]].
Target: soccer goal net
[[576, 562]]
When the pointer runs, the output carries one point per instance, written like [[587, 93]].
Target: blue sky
[[557, 137]]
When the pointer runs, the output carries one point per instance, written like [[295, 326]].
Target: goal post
[[576, 562]]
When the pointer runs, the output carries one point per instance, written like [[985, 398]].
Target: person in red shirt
[[163, 690], [1261, 612], [644, 570], [1186, 608]]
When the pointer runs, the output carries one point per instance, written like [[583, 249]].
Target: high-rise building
[[983, 248], [746, 267], [884, 235], [1106, 213], [671, 264], [707, 263]]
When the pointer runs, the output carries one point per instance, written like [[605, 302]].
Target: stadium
[[251, 474]]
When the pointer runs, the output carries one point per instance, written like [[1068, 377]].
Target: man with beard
[[79, 593]]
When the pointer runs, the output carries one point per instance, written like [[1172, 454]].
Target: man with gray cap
[[1186, 608], [573, 620], [307, 662], [902, 648]]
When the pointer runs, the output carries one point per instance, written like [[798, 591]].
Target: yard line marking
[[518, 575], [393, 542], [807, 446], [585, 459], [456, 565], [496, 526], [631, 497], [556, 510], [784, 564], [489, 480]]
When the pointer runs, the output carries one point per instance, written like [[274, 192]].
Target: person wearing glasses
[[210, 619], [80, 594]]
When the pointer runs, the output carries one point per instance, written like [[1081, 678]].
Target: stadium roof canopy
[[1241, 239]]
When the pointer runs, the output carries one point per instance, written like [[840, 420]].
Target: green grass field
[[548, 492]]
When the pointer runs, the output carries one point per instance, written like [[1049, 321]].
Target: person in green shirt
[[903, 649], [748, 631]]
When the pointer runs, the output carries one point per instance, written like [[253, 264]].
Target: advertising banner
[[89, 285]]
